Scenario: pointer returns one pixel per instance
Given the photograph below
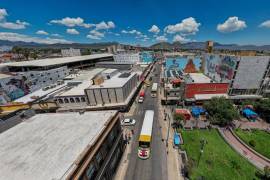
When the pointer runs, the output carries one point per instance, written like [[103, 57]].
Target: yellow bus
[[145, 135]]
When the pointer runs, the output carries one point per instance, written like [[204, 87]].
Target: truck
[[141, 97]]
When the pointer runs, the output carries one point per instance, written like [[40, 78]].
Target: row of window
[[71, 100], [100, 156]]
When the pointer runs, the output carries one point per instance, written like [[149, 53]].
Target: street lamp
[[203, 142]]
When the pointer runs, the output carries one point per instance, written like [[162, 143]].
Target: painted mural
[[219, 67], [17, 88]]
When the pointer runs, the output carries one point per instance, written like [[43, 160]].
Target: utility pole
[[203, 142]]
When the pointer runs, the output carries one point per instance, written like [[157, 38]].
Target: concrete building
[[70, 52], [75, 96], [247, 75], [127, 58], [51, 63], [115, 65], [114, 91], [199, 84], [85, 145]]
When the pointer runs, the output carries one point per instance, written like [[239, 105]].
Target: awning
[[199, 97]]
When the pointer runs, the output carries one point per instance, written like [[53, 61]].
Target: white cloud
[[231, 24], [56, 35], [94, 34], [72, 31], [42, 32], [14, 25], [161, 38], [187, 26], [178, 38], [3, 14], [131, 32], [265, 24], [105, 26], [154, 29], [25, 38], [72, 22]]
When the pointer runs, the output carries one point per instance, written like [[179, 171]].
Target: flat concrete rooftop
[[198, 78], [46, 146], [56, 61], [114, 82]]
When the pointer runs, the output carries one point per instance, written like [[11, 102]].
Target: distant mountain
[[56, 46], [201, 46]]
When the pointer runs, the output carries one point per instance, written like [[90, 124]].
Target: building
[[127, 58], [115, 91], [74, 95], [70, 52], [51, 63], [85, 145], [115, 65], [246, 75], [199, 84]]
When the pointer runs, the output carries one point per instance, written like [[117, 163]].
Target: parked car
[[128, 122]]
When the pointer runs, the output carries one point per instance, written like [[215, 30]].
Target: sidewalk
[[173, 159], [123, 164]]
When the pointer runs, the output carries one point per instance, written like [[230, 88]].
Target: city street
[[156, 166]]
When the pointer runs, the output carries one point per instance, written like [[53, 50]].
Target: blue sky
[[126, 21]]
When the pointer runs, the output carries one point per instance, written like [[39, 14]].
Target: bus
[[145, 135], [154, 90]]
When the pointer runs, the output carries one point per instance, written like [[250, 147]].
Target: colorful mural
[[220, 67], [16, 88]]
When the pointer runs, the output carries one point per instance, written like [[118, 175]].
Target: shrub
[[252, 143]]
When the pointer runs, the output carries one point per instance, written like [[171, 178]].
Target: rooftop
[[118, 80], [56, 61], [86, 78], [209, 96], [198, 78], [47, 146]]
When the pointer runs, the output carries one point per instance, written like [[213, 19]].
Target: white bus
[[146, 135], [154, 90]]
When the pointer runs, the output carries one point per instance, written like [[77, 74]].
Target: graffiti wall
[[220, 67]]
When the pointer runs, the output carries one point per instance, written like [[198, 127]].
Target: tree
[[221, 111], [34, 55], [178, 118], [263, 108]]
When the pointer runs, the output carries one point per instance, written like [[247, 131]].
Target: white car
[[140, 100], [128, 122]]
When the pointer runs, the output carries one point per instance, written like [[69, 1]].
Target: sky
[[137, 22]]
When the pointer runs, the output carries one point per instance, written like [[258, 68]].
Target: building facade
[[127, 58], [81, 146], [115, 91], [70, 52], [245, 74]]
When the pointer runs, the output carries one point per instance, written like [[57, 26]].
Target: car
[[128, 122], [140, 100]]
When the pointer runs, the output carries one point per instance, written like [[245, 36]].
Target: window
[[83, 99], [90, 171], [77, 100], [72, 100], [99, 158], [66, 100], [60, 101]]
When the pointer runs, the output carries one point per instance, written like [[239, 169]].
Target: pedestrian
[[132, 131], [129, 137]]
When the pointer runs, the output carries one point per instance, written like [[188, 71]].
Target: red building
[[197, 83]]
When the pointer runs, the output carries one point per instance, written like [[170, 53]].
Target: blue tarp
[[248, 113], [176, 139], [196, 111]]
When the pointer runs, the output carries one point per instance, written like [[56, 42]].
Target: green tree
[[263, 108], [221, 111], [34, 55], [178, 118]]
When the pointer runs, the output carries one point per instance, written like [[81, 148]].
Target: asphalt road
[[154, 168]]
